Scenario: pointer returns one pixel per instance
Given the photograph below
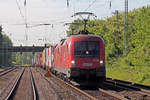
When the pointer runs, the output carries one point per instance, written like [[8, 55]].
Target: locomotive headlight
[[101, 62], [73, 63]]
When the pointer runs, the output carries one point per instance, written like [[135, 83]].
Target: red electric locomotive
[[80, 57]]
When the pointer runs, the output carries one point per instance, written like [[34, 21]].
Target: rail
[[71, 86], [6, 71], [12, 91], [35, 97]]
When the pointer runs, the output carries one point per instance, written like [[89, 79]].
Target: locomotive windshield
[[86, 48]]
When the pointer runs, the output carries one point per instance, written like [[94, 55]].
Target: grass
[[135, 74]]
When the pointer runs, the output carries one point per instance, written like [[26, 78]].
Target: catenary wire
[[20, 10], [90, 5]]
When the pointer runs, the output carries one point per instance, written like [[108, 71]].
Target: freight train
[[79, 57]]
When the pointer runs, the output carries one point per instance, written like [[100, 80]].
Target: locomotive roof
[[83, 35], [77, 36]]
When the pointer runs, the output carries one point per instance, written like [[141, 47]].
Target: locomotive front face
[[87, 57]]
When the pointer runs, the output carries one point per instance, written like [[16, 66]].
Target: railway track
[[45, 90], [126, 90], [5, 71], [131, 84], [24, 87], [119, 91], [7, 78], [65, 91], [2, 70], [101, 94]]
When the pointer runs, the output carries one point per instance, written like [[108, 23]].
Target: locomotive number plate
[[87, 64]]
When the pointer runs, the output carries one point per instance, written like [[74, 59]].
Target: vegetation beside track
[[24, 59], [136, 74], [5, 56]]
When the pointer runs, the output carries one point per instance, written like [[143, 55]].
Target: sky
[[53, 12]]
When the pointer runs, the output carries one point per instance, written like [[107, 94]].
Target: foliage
[[5, 56], [22, 59], [135, 74]]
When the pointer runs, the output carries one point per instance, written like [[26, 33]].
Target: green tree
[[5, 56]]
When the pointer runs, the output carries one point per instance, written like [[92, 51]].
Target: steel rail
[[112, 94], [128, 85], [71, 86], [47, 81], [11, 93], [35, 97], [6, 71], [78, 90]]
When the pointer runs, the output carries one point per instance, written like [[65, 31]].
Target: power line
[[20, 10], [68, 3], [26, 26], [90, 5], [24, 17]]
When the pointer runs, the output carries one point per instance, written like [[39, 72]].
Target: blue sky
[[53, 12]]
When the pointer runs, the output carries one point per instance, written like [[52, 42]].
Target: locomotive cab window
[[67, 49], [86, 48]]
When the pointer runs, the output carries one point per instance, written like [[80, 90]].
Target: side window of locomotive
[[56, 54], [59, 51], [67, 49]]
